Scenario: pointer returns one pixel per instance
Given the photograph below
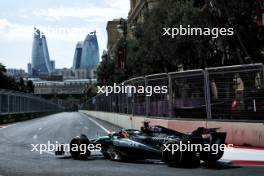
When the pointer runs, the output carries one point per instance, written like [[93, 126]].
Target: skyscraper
[[29, 68], [87, 53], [40, 55], [90, 52], [52, 66], [77, 56]]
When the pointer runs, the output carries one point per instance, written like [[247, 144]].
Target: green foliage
[[108, 72], [242, 16], [89, 92], [6, 82], [158, 53], [150, 52], [2, 68], [22, 87], [30, 87]]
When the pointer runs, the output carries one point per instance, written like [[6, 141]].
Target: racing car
[[153, 142]]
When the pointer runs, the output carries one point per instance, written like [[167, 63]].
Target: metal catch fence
[[232, 92], [12, 102]]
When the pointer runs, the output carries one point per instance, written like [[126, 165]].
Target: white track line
[[3, 127], [244, 154], [92, 120], [96, 123], [50, 153], [47, 152]]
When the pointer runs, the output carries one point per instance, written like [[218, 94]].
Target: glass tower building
[[41, 63], [77, 56], [87, 53]]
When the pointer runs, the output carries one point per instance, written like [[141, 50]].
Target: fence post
[[127, 102], [146, 98], [28, 105], [262, 75], [119, 103], [207, 94], [170, 95], [8, 103], [1, 102], [133, 100]]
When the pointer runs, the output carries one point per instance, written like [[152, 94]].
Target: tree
[[157, 53], [89, 92], [21, 85], [2, 68], [108, 72], [150, 52], [249, 37], [30, 87], [6, 82]]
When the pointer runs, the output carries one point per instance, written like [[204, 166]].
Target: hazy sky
[[64, 22]]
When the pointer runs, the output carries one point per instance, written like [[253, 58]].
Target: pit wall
[[238, 133]]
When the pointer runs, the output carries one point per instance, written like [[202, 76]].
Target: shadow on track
[[219, 166], [211, 166]]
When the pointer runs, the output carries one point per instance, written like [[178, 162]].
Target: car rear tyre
[[180, 158], [213, 156]]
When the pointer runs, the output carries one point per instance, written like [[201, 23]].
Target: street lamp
[[122, 27], [121, 51], [119, 28]]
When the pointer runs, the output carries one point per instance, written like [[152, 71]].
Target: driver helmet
[[123, 134]]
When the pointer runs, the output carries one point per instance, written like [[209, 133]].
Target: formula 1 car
[[154, 142]]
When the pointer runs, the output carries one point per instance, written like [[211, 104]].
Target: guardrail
[[13, 102], [232, 92]]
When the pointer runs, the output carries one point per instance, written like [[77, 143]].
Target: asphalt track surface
[[16, 157]]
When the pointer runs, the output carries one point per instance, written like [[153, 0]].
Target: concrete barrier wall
[[238, 133], [241, 133], [135, 122]]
